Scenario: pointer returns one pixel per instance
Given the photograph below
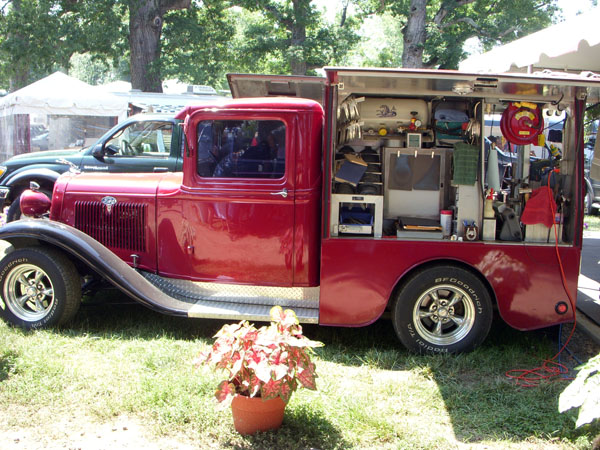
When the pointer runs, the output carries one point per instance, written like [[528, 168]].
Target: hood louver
[[120, 226]]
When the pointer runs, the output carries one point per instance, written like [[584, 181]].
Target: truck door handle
[[283, 193], [161, 169]]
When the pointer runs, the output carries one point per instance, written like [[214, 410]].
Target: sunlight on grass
[[127, 361], [591, 223]]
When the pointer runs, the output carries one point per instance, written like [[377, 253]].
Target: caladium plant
[[269, 362]]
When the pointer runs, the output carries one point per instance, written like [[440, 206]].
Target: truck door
[[238, 202]]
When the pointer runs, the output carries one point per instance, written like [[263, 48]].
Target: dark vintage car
[[142, 143]]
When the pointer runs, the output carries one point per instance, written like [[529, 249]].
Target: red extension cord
[[550, 369]]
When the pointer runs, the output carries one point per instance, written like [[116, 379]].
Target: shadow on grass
[[303, 428], [482, 403]]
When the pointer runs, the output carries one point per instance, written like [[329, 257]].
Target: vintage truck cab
[[325, 195]]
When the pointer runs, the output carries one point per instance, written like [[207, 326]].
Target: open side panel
[[247, 85]]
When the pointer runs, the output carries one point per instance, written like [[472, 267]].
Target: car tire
[[442, 309], [14, 210], [587, 203], [39, 288]]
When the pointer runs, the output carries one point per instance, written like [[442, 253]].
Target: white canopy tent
[[56, 112], [61, 94], [572, 46]]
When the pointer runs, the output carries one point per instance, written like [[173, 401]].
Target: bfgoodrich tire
[[39, 288], [442, 309]]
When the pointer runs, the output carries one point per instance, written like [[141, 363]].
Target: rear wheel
[[40, 288], [442, 309]]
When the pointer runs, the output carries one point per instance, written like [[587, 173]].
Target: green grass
[[592, 222], [124, 360]]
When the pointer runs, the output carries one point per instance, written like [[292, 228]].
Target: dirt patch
[[579, 349], [83, 432]]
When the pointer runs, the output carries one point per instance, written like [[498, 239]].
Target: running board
[[238, 302]]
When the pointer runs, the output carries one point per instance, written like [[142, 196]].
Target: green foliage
[[450, 24], [94, 69], [276, 37], [39, 36], [584, 393], [381, 44], [196, 45]]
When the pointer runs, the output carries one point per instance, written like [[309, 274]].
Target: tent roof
[[573, 46], [61, 94]]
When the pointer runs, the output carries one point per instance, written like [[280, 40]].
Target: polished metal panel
[[232, 301], [245, 311]]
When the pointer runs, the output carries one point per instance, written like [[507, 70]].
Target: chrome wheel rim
[[444, 315], [28, 292]]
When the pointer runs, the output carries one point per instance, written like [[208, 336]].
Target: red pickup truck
[[340, 197]]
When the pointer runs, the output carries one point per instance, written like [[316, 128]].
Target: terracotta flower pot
[[251, 415]]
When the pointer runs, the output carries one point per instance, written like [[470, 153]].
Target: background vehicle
[[142, 143], [330, 203], [592, 195]]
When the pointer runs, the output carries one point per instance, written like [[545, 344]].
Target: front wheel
[[442, 309], [39, 288]]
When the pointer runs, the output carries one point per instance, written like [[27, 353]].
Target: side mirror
[[97, 152]]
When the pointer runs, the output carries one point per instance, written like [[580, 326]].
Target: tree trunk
[[298, 62], [415, 35], [145, 27], [19, 69]]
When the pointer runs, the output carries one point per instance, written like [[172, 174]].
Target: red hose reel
[[521, 123]]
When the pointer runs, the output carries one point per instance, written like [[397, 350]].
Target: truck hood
[[137, 184], [44, 156]]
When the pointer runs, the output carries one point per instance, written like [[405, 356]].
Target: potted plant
[[263, 368]]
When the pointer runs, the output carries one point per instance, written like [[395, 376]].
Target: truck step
[[230, 301]]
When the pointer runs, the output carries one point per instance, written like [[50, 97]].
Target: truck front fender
[[81, 247], [36, 173]]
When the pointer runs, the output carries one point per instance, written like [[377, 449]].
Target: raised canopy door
[[248, 85]]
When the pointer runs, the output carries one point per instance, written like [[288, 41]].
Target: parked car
[[142, 143], [592, 194]]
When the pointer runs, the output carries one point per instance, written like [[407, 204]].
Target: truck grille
[[123, 227]]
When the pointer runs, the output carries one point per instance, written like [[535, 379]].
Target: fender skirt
[[95, 255]]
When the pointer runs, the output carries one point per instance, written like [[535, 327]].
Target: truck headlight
[[2, 170]]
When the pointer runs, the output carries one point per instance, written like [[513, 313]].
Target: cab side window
[[241, 149], [151, 139]]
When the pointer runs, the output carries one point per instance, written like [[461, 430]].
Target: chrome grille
[[124, 227]]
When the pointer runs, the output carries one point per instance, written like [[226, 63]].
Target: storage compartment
[[433, 151]]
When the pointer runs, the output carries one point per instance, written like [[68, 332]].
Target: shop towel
[[465, 163], [540, 208]]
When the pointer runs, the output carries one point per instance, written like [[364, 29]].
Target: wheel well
[[405, 278], [17, 243], [20, 186]]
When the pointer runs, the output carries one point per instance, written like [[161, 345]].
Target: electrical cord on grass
[[551, 369]]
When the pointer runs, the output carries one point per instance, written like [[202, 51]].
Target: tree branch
[[170, 5], [272, 9], [344, 13], [6, 3], [445, 9]]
